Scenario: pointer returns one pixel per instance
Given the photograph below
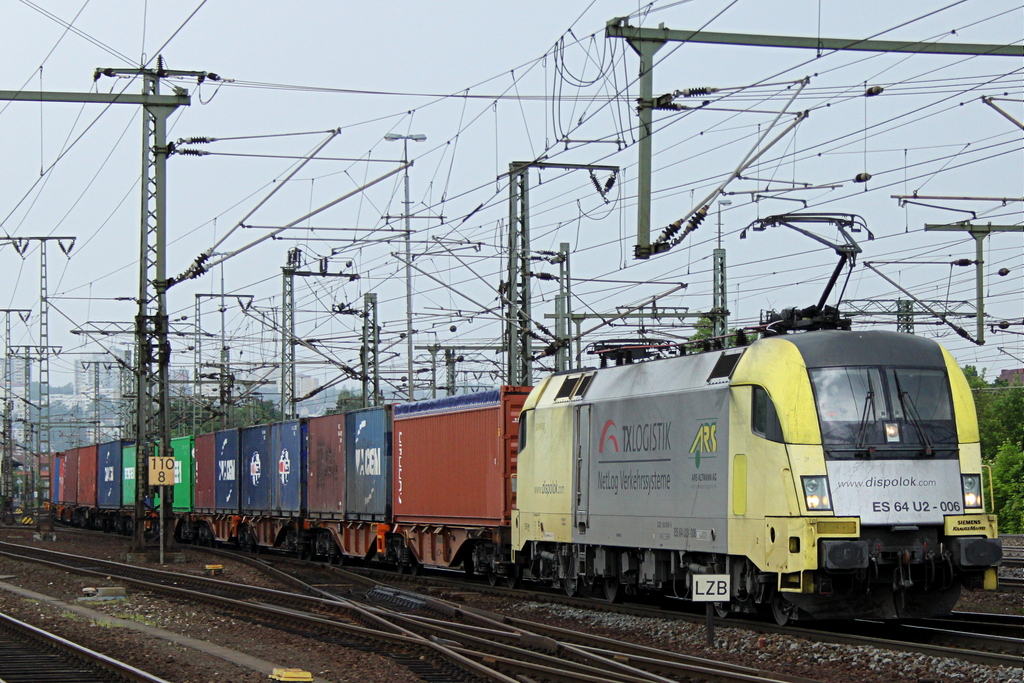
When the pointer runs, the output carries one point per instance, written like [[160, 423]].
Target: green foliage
[[1008, 481], [704, 328], [1001, 425], [348, 399]]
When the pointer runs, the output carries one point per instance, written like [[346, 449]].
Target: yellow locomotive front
[[829, 474], [858, 481]]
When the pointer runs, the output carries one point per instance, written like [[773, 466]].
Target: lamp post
[[416, 137]]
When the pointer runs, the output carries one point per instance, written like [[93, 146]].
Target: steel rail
[[92, 660]]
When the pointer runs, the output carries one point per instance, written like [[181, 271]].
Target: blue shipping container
[[227, 471], [57, 478], [108, 475], [289, 458], [368, 464], [257, 470]]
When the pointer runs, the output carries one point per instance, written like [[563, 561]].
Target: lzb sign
[[711, 588], [161, 471]]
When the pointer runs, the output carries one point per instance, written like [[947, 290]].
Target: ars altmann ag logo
[[254, 468], [704, 441], [284, 466]]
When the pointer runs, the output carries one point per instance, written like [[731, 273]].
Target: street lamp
[[415, 137]]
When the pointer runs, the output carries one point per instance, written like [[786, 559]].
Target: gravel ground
[[821, 661], [175, 663]]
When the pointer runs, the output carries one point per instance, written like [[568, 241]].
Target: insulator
[[198, 141], [1004, 272], [696, 220], [190, 152], [1004, 324], [610, 183], [597, 185], [962, 262], [862, 177], [695, 92], [873, 90]]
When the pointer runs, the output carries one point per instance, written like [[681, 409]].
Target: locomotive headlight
[[816, 493], [892, 432], [972, 490]]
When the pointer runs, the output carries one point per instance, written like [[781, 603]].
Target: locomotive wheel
[[512, 579], [781, 610], [722, 609], [571, 586], [492, 578], [611, 588]]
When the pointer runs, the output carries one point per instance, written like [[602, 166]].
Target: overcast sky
[[489, 84]]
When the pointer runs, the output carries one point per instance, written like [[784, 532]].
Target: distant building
[[1015, 376], [304, 384]]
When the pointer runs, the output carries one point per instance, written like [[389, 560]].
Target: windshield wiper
[[915, 419], [863, 431]]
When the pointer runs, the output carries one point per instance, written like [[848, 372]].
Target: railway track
[[984, 639], [30, 655], [961, 636], [417, 629]]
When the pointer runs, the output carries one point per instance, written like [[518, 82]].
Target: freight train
[[829, 474]]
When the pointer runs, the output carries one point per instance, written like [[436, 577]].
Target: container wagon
[[454, 468]]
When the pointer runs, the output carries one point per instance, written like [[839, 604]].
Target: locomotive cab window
[[524, 419], [764, 420], [884, 412]]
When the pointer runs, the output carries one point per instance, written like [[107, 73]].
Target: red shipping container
[[454, 458], [205, 490], [69, 490], [87, 476], [325, 476]]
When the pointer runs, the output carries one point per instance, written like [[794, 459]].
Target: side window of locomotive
[[573, 387], [524, 419], [764, 421], [568, 384]]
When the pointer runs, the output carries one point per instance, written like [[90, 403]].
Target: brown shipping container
[[205, 490], [87, 476], [325, 477], [454, 458], [69, 491]]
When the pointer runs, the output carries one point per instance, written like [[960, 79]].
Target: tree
[[348, 400], [1008, 482], [1000, 410]]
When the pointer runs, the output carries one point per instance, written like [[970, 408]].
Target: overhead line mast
[[647, 41]]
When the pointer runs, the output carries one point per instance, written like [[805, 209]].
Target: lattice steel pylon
[[152, 395], [7, 465]]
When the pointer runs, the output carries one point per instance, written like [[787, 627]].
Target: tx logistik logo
[[610, 424], [704, 441]]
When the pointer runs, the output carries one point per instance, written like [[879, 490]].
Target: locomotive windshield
[[884, 412]]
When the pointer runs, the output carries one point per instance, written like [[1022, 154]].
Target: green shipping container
[[183, 449], [128, 478]]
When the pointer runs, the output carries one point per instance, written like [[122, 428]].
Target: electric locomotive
[[831, 474]]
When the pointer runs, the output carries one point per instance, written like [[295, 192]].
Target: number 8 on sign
[[161, 471]]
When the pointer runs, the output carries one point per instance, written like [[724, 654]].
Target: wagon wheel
[[571, 586], [611, 588], [723, 609], [512, 578], [492, 578]]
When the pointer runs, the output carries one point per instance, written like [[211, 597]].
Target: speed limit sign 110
[[161, 471]]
